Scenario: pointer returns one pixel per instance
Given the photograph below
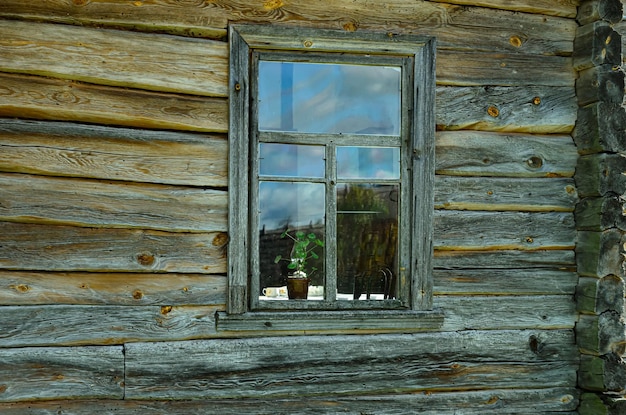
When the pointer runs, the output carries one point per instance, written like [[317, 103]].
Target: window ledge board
[[330, 322]]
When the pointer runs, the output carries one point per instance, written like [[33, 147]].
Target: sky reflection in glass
[[290, 204], [329, 98], [291, 160], [368, 162]]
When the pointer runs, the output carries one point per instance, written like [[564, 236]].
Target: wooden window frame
[[416, 271]]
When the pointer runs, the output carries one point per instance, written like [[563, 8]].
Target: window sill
[[330, 322]]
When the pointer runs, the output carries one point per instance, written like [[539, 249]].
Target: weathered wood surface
[[475, 153], [605, 373], [495, 401], [600, 174], [36, 373], [600, 127], [504, 282], [50, 325], [66, 149], [69, 248], [338, 365], [600, 213], [102, 288], [504, 313], [499, 193], [57, 99], [593, 404], [506, 259], [593, 10], [457, 230], [455, 27], [111, 57], [77, 202], [602, 334], [599, 254], [598, 295], [531, 109], [600, 83], [191, 59], [597, 44]]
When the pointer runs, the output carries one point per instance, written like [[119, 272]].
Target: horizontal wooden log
[[328, 366], [66, 149], [63, 325], [68, 248], [600, 213], [65, 100], [507, 259], [565, 8], [455, 230], [498, 401], [31, 288], [593, 10], [600, 128], [599, 254], [504, 313], [474, 153], [598, 295], [530, 109], [602, 334], [36, 373], [77, 202], [496, 193], [605, 373], [504, 282], [455, 27], [601, 174], [600, 83], [110, 57], [597, 44]]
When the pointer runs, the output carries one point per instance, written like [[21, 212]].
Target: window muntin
[[306, 158]]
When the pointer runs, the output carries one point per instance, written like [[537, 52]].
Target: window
[[331, 145]]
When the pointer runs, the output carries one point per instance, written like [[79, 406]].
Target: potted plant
[[303, 250]]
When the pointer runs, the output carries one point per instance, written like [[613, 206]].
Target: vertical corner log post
[[600, 137]]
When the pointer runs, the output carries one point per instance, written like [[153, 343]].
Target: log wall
[[113, 216]]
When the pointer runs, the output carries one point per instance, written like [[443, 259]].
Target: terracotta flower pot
[[298, 288]]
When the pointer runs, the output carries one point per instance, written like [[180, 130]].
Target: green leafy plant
[[304, 245]]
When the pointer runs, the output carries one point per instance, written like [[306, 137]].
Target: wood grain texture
[[309, 366], [504, 194], [597, 295], [98, 204], [506, 259], [602, 334], [476, 153], [65, 100], [549, 7], [495, 401], [102, 288], [599, 254], [75, 150], [600, 129], [69, 248], [110, 57], [37, 373], [457, 230], [56, 325], [455, 27], [504, 282], [529, 109], [504, 313]]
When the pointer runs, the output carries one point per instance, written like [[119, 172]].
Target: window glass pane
[[291, 160], [368, 162], [299, 207], [329, 98], [367, 241]]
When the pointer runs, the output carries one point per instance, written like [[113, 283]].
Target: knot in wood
[[308, 43], [350, 26], [21, 288], [534, 162], [166, 309], [493, 111], [146, 259], [137, 294], [516, 41], [220, 239], [273, 4], [536, 100]]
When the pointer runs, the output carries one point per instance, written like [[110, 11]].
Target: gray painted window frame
[[245, 39]]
